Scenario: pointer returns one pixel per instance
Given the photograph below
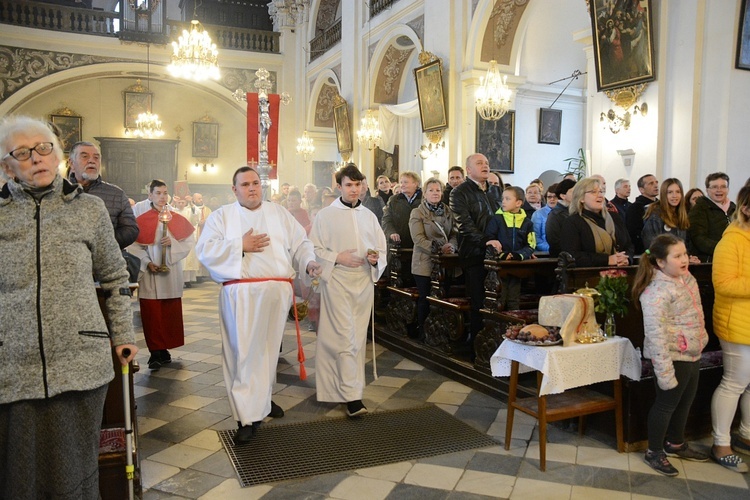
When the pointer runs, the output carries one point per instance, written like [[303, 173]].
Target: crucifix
[[263, 84]]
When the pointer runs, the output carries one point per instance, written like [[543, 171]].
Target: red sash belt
[[300, 350]]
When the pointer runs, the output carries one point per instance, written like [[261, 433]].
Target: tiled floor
[[181, 407]]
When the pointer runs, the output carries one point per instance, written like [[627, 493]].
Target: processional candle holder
[[164, 217]]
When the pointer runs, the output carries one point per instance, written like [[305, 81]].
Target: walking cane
[[129, 468]]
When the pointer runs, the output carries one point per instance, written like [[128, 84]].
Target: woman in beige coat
[[432, 221]]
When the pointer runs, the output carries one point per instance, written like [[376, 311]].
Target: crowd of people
[[57, 345]]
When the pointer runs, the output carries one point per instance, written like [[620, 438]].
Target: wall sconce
[[624, 98], [203, 164], [433, 146]]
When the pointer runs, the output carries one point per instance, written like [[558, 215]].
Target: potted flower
[[613, 297]]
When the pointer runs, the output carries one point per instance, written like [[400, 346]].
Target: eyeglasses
[[596, 191], [23, 154], [551, 196], [718, 187]]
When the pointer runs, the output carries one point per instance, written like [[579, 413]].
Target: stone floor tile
[[433, 476], [525, 489], [358, 487], [486, 483], [390, 472]]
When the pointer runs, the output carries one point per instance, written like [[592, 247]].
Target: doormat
[[290, 451]]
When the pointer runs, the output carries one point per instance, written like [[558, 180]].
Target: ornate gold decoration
[[137, 87], [428, 57], [65, 111], [625, 97]]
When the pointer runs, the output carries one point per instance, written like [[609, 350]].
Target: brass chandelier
[[195, 56]]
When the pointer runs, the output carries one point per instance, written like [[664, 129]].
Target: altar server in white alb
[[253, 249], [351, 247]]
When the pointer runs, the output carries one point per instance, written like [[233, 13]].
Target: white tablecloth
[[573, 366]]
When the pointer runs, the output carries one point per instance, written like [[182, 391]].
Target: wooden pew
[[638, 396], [449, 307], [496, 319], [401, 305]]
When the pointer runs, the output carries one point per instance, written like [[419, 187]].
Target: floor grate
[[289, 451]]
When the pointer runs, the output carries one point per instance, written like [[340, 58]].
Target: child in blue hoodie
[[511, 234]]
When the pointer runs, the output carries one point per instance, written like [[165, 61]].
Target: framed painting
[[496, 140], [205, 140], [343, 127], [623, 43], [743, 38], [70, 129], [429, 80], [386, 164], [135, 104], [550, 125]]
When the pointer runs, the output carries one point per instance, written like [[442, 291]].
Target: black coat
[[396, 217], [634, 221], [473, 209], [554, 228], [707, 225], [578, 240]]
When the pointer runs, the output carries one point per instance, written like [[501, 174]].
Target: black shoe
[[154, 361], [276, 411], [245, 433], [166, 358], [355, 408], [658, 461]]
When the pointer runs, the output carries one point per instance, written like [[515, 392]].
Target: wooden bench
[[449, 307], [401, 304], [638, 396], [496, 319]]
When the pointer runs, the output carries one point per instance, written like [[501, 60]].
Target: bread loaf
[[536, 331]]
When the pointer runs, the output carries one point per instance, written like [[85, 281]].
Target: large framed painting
[[743, 38], [343, 127], [623, 43], [496, 140], [550, 125], [71, 129], [205, 140], [135, 104], [429, 80]]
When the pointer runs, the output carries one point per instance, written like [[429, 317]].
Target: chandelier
[[147, 126], [305, 147], [195, 57], [369, 133], [493, 95]]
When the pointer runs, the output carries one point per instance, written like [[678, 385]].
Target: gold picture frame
[[135, 104], [343, 127], [71, 129], [623, 43], [205, 140], [429, 80]]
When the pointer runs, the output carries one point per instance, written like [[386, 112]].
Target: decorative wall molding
[[20, 67], [288, 13], [503, 13], [392, 68], [417, 25], [25, 66], [324, 106]]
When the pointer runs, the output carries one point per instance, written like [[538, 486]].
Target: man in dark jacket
[[85, 165], [710, 216], [473, 204], [398, 210], [557, 216], [621, 201], [373, 203], [648, 185], [455, 177]]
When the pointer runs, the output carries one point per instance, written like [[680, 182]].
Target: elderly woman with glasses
[[710, 216], [591, 235], [55, 346]]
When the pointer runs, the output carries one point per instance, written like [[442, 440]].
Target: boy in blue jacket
[[512, 236]]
